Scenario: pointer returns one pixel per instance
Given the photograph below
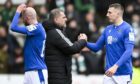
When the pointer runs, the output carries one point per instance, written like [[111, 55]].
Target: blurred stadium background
[[85, 16]]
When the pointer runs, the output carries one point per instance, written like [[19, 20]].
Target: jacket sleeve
[[65, 45]]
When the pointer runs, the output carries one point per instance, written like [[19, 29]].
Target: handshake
[[82, 36]]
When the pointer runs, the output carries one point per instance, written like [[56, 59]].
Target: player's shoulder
[[126, 24], [108, 27], [127, 27], [31, 27]]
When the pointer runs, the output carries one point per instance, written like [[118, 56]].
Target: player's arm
[[14, 25], [129, 45], [98, 45], [126, 55]]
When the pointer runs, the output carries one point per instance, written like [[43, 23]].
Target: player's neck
[[34, 22], [118, 22]]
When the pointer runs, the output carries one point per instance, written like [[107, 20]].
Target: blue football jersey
[[119, 43], [34, 47], [34, 44]]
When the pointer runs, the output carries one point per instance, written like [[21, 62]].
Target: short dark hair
[[54, 13], [117, 6]]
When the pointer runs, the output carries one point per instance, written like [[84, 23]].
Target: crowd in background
[[84, 16]]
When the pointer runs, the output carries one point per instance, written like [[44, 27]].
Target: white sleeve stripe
[[65, 38]]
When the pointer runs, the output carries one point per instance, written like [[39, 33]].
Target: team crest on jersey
[[31, 27], [109, 39]]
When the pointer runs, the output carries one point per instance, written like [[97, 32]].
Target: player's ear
[[118, 13], [55, 19], [27, 18]]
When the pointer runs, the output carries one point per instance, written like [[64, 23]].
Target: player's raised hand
[[111, 71], [82, 36], [21, 8]]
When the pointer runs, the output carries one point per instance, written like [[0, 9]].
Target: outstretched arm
[[65, 45], [98, 45]]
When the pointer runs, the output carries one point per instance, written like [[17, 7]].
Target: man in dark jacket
[[59, 48]]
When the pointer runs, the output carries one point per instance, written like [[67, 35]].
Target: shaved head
[[30, 12], [29, 15]]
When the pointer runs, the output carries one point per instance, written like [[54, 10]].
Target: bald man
[[34, 65]]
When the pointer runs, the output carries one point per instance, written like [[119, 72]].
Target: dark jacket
[[72, 33], [58, 54]]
